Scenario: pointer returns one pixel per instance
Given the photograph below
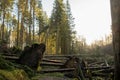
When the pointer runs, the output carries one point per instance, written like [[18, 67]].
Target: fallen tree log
[[94, 63], [97, 68], [44, 59], [56, 70], [61, 55], [102, 75], [50, 64], [53, 61], [105, 70], [10, 57], [9, 54]]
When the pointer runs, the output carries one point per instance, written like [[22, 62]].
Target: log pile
[[73, 65]]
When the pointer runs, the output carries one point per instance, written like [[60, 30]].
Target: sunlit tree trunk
[[21, 33], [33, 21], [17, 42], [115, 10], [30, 22], [22, 29]]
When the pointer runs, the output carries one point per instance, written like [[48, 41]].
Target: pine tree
[[69, 15], [56, 22], [70, 26], [40, 18], [60, 23]]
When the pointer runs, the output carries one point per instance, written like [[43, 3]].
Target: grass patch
[[9, 71], [47, 74], [13, 75]]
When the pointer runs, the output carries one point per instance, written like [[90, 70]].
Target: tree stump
[[32, 56]]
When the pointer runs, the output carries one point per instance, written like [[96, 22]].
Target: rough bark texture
[[115, 11]]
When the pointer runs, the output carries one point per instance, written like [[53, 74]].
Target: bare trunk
[[22, 33], [57, 41], [63, 45], [18, 28], [33, 27], [29, 34], [115, 10], [34, 22], [39, 31], [30, 26], [3, 25]]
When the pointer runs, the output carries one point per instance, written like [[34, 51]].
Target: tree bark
[[34, 21], [115, 11], [57, 40], [30, 22], [3, 23], [17, 42]]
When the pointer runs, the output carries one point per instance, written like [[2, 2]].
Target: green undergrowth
[[12, 71], [57, 76], [13, 75], [38, 76], [6, 65]]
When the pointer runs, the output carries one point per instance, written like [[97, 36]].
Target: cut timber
[[56, 70]]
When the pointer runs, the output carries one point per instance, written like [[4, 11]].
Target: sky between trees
[[92, 17]]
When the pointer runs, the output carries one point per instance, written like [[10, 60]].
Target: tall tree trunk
[[57, 40], [18, 30], [18, 27], [22, 33], [46, 36], [39, 31], [69, 42], [33, 26], [3, 25], [30, 22], [33, 22], [29, 34], [115, 10], [63, 45]]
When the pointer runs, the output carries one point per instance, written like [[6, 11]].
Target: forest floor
[[96, 65], [53, 78]]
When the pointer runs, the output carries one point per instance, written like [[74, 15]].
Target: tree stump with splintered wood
[[76, 63], [32, 56]]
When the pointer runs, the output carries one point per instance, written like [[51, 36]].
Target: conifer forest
[[35, 45]]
